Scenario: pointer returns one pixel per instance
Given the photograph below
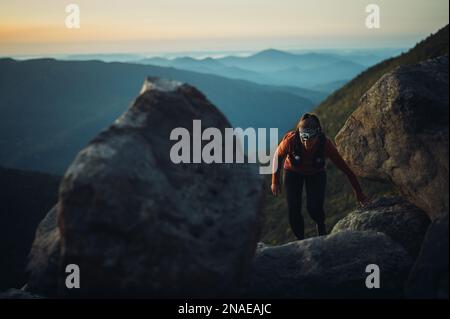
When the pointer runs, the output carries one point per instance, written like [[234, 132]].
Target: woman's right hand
[[363, 200], [276, 189]]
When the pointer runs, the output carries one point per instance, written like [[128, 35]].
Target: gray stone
[[397, 218], [429, 277], [44, 257], [18, 294], [332, 266], [399, 134]]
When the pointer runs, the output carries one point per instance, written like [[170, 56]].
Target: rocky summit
[[138, 225]]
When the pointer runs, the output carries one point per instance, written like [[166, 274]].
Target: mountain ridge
[[431, 47], [272, 67]]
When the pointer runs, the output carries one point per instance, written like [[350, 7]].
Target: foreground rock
[[399, 134], [429, 277], [43, 267], [18, 294], [139, 225], [329, 267], [397, 218]]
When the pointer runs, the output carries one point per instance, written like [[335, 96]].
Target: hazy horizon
[[137, 26], [132, 56]]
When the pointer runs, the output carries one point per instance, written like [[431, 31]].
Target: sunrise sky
[[38, 27]]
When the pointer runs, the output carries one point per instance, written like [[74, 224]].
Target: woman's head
[[309, 128]]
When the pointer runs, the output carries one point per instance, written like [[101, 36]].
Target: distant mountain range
[[320, 70], [275, 67], [50, 109]]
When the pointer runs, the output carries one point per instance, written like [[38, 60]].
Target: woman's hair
[[310, 120]]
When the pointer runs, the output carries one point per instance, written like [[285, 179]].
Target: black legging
[[315, 195]]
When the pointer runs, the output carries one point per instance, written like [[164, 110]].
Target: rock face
[[138, 225], [429, 277], [43, 267], [332, 266], [397, 218], [18, 294], [399, 134]]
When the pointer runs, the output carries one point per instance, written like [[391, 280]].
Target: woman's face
[[308, 125], [309, 143]]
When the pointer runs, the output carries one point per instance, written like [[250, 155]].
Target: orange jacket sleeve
[[278, 160], [336, 158]]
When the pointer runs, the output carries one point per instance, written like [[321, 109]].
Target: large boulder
[[44, 258], [137, 224], [332, 266], [429, 277], [397, 218], [399, 134]]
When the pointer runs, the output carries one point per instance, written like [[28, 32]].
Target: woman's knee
[[317, 213], [295, 215]]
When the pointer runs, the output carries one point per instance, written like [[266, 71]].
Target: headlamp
[[308, 133]]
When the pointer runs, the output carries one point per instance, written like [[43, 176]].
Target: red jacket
[[306, 167]]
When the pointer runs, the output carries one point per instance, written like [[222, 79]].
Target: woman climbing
[[303, 152]]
